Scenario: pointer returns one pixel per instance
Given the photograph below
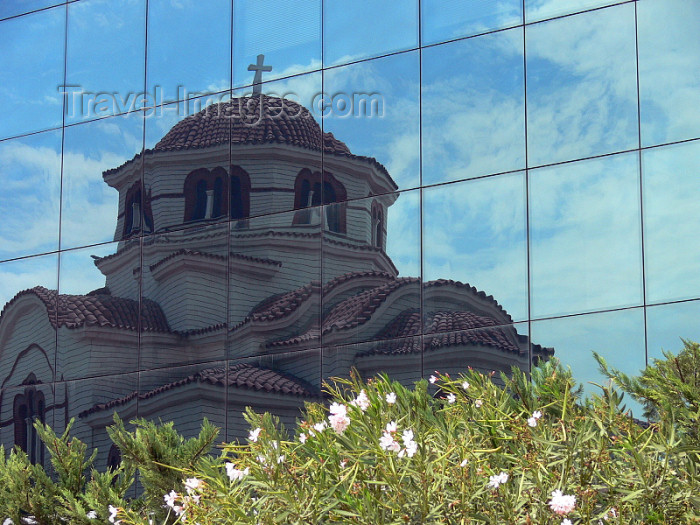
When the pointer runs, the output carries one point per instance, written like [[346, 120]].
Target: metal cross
[[258, 68]]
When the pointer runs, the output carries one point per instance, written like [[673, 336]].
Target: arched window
[[312, 189], [114, 458], [377, 225], [137, 210], [28, 408], [239, 198]]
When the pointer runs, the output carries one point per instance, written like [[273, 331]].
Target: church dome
[[260, 119]]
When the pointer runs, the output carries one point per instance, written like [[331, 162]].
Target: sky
[[586, 228]]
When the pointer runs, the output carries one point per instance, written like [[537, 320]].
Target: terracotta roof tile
[[205, 255]]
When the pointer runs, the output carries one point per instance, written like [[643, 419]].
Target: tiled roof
[[193, 253], [241, 375], [73, 311], [261, 119]]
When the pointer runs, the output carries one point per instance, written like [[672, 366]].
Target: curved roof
[[74, 311]]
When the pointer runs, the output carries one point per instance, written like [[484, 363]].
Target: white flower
[[391, 426], [275, 445], [478, 403], [8, 521], [566, 521], [451, 398], [361, 401], [464, 463], [391, 398], [537, 414], [407, 436], [343, 463], [168, 498], [280, 459], [302, 438], [339, 423], [262, 460], [410, 450], [531, 421], [497, 480], [192, 484], [253, 436], [90, 515], [235, 474], [113, 511], [432, 380], [320, 427], [562, 503], [338, 409], [465, 385], [387, 442]]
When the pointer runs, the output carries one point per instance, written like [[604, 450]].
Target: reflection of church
[[186, 286]]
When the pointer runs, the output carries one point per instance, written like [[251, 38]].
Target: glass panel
[[100, 87], [286, 32], [668, 324], [30, 171], [474, 253], [541, 9], [279, 384], [183, 303], [372, 108], [92, 403], [31, 72], [358, 29], [189, 49], [400, 358], [495, 349], [18, 7], [185, 396], [669, 70], [28, 320], [582, 86], [585, 236], [672, 254], [101, 318], [366, 295], [274, 275], [617, 336], [473, 107], [448, 19], [90, 151]]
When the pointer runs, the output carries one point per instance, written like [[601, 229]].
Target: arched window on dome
[[205, 193], [28, 408], [239, 198], [114, 458], [377, 225], [311, 190], [136, 211]]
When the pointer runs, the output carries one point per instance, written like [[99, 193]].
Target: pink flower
[[391, 426], [387, 442], [361, 401], [339, 422], [338, 409], [562, 503]]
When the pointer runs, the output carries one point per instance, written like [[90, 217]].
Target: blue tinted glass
[[669, 70], [585, 236], [581, 86], [30, 171], [110, 86], [286, 32], [448, 19], [474, 233], [541, 9], [358, 29], [671, 222], [17, 7], [31, 72], [668, 324], [473, 104]]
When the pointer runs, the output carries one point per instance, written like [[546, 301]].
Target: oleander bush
[[460, 450]]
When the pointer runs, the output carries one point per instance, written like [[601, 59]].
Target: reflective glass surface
[[671, 222], [90, 150], [474, 233], [581, 86], [617, 336], [373, 107], [97, 86], [286, 32], [189, 48], [669, 77], [31, 71], [585, 251], [10, 8], [668, 325], [30, 171], [541, 9], [473, 107], [358, 29], [449, 19]]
